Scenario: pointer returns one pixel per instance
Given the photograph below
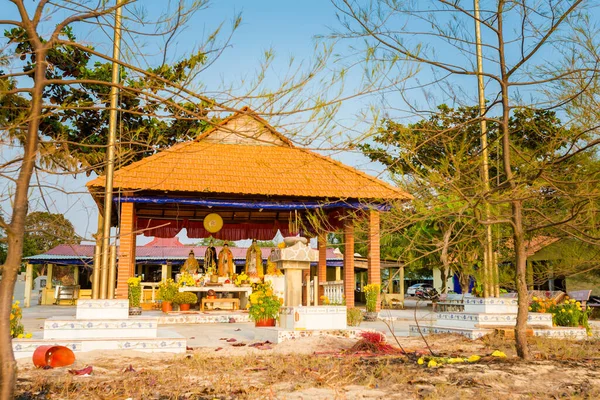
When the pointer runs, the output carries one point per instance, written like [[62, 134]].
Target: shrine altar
[[244, 291]]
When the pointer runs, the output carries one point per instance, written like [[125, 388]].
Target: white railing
[[334, 291], [152, 286]]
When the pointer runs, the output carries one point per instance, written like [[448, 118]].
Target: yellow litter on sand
[[498, 353]]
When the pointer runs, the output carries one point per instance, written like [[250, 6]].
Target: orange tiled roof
[[270, 166]]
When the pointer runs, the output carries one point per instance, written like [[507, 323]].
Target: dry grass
[[560, 369]]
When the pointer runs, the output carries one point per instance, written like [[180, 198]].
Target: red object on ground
[[265, 322], [53, 356]]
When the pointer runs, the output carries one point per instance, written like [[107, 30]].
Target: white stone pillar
[[76, 275], [294, 260], [28, 284]]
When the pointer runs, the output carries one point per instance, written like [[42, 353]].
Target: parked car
[[412, 290]]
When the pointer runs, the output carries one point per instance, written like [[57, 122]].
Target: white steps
[[134, 327], [483, 320], [165, 341]]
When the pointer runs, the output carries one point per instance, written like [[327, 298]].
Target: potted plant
[[134, 294], [371, 293], [167, 290], [264, 304], [184, 300]]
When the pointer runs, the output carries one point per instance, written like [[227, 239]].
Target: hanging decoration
[[213, 223]]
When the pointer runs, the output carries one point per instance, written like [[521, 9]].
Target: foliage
[[264, 304], [568, 313], [210, 241], [185, 298], [16, 327], [78, 132], [134, 291], [354, 316], [45, 231], [186, 279], [371, 293], [167, 289], [241, 278]]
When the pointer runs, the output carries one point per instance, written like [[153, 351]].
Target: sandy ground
[[322, 368]]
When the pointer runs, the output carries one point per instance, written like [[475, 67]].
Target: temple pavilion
[[258, 182]]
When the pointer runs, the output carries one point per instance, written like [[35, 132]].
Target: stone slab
[[279, 335], [134, 327], [471, 333], [102, 309]]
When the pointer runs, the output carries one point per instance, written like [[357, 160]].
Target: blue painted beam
[[255, 205]]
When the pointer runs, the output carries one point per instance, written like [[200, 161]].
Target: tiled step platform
[[482, 320], [482, 316], [103, 325], [198, 317], [134, 327], [165, 341]]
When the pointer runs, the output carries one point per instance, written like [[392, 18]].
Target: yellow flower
[[473, 358], [570, 311], [420, 361], [578, 304], [20, 336], [535, 298], [28, 336], [529, 308], [432, 364], [498, 353], [455, 360], [12, 316]]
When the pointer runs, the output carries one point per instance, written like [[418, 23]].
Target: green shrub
[[185, 298], [354, 316], [167, 290]]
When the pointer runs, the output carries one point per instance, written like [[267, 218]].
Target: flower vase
[[167, 306], [266, 322], [184, 307]]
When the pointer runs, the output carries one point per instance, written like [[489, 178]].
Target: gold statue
[[225, 261], [190, 265], [254, 263]]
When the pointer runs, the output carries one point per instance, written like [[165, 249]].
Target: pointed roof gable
[[244, 155]]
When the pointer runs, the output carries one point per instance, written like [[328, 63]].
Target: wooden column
[[349, 262], [322, 266], [28, 285], [126, 256], [374, 257], [49, 277], [76, 275]]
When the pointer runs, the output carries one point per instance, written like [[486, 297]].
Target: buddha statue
[[254, 263], [225, 262], [191, 264]]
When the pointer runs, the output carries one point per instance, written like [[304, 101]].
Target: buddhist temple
[[242, 179]]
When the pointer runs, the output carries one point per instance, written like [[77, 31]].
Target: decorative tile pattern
[[152, 344], [203, 319], [29, 346], [100, 324], [434, 330], [284, 335]]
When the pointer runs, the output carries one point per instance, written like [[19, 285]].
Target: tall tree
[[438, 37], [44, 231]]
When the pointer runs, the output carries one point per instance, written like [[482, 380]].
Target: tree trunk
[[516, 203], [16, 231]]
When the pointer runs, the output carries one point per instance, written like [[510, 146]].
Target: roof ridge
[[245, 111]]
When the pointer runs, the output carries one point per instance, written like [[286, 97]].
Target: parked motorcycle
[[427, 294]]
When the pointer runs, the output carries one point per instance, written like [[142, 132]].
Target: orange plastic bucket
[[53, 356]]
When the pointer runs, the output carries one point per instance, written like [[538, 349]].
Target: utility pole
[[490, 273], [110, 158]]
